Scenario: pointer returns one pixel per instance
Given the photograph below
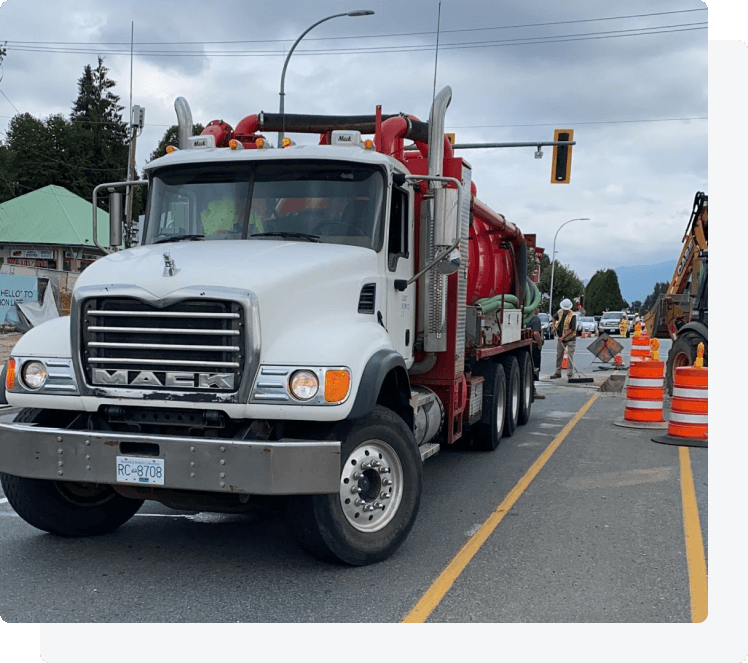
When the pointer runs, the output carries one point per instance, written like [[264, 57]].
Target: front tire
[[67, 508], [371, 515]]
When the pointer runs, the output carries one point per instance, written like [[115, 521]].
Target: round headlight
[[34, 374], [304, 385]]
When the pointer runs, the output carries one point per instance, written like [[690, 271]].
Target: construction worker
[[623, 325], [565, 326]]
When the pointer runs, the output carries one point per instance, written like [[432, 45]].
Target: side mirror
[[115, 219], [450, 264]]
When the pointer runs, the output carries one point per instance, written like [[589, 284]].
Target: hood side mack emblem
[[170, 267]]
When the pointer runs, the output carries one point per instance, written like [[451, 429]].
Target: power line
[[519, 41], [9, 101], [358, 37]]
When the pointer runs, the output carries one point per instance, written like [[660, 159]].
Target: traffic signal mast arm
[[561, 162]]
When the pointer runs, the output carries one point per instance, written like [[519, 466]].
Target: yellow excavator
[[681, 314]]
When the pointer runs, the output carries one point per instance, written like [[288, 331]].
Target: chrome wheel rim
[[371, 486]]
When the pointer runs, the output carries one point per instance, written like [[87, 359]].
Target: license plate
[[147, 471]]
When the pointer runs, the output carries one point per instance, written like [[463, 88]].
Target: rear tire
[[381, 469], [526, 387], [486, 434], [513, 395]]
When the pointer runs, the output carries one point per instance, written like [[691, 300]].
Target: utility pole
[[136, 124]]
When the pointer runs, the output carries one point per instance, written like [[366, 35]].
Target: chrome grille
[[179, 347]]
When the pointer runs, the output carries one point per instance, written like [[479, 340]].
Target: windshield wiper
[[179, 238], [310, 238]]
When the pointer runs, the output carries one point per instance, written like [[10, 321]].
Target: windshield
[[332, 202], [612, 315], [544, 317]]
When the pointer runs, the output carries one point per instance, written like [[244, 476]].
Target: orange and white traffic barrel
[[688, 423], [645, 392], [640, 348]]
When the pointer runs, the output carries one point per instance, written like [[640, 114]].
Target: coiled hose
[[532, 299]]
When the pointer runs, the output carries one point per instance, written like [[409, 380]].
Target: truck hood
[[297, 284]]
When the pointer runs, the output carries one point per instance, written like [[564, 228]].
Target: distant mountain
[[638, 282]]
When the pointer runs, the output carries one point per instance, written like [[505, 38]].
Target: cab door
[[401, 305]]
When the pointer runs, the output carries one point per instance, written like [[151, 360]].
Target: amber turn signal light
[[337, 384]]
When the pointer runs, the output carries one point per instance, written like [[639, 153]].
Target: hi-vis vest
[[564, 320]]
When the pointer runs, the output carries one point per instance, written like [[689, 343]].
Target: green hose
[[532, 297]]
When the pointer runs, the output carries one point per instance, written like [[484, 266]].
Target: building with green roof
[[50, 228]]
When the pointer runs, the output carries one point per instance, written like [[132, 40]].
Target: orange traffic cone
[[644, 395], [565, 364], [618, 361]]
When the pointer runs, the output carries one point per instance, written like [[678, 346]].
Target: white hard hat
[[566, 304]]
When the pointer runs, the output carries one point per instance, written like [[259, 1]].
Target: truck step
[[427, 450]]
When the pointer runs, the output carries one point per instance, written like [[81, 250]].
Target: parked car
[[586, 324], [546, 325], [609, 322]]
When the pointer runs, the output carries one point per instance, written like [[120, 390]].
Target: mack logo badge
[[176, 379]]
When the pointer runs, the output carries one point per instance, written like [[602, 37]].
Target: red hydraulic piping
[[391, 140], [498, 221], [246, 130]]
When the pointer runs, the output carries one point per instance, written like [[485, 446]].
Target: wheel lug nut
[[356, 489], [360, 502], [358, 475], [378, 505], [369, 507], [387, 482], [375, 463], [386, 496], [384, 470]]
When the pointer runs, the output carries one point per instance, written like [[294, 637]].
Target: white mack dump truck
[[303, 321]]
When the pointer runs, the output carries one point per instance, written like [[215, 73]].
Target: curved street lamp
[[359, 12], [553, 264]]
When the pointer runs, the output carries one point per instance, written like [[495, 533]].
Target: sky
[[629, 77]]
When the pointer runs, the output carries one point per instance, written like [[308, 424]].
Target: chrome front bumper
[[286, 467]]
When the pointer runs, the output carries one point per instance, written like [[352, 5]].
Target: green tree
[[30, 167], [7, 179], [171, 137], [566, 284], [99, 129], [603, 292]]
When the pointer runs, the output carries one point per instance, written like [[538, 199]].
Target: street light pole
[[360, 12], [553, 263]]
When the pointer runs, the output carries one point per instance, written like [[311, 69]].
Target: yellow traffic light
[[561, 163]]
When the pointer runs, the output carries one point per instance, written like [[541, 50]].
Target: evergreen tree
[[603, 293], [7, 179], [30, 164], [99, 128]]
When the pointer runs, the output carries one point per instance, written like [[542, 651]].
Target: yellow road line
[[697, 573], [433, 596]]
